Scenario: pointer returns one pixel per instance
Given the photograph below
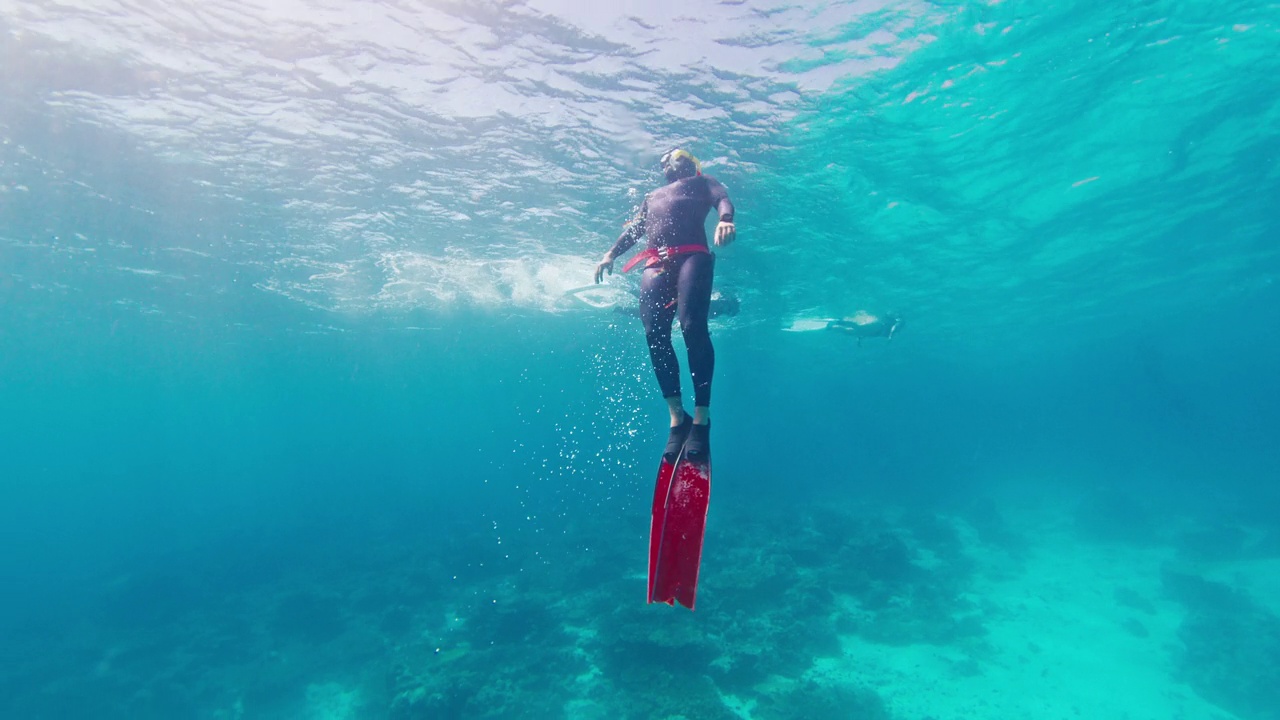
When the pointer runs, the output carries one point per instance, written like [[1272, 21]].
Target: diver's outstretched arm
[[631, 234]]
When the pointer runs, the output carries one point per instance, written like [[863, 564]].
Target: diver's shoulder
[[711, 183]]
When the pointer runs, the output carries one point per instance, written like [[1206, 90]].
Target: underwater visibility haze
[[309, 407]]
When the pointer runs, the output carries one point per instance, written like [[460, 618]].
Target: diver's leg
[[697, 271], [657, 310], [675, 405]]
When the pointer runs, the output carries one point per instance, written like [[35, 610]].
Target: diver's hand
[[605, 265], [725, 233]]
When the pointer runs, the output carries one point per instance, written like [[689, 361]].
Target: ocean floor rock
[[1231, 646]]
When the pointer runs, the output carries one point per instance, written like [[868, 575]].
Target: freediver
[[679, 268], [863, 324]]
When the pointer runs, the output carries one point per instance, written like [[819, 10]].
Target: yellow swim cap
[[680, 156]]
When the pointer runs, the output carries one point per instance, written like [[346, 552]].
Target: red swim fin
[[680, 502], [660, 489]]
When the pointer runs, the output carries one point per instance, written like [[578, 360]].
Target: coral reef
[[807, 699], [1231, 646], [396, 633]]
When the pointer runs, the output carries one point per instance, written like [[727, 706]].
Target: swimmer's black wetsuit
[[672, 216]]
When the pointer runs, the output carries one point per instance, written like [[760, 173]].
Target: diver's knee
[[658, 338], [695, 333]]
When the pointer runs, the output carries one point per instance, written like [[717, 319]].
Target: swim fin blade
[[680, 501]]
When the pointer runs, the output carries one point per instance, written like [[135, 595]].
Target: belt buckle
[[664, 253]]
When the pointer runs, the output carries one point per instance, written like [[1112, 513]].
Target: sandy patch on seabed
[[1058, 644]]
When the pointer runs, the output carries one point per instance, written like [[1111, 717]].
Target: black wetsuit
[[672, 216]]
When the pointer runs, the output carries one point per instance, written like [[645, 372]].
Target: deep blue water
[[301, 414]]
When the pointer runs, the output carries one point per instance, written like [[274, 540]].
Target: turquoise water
[[305, 416]]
